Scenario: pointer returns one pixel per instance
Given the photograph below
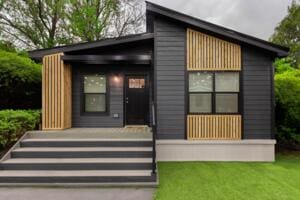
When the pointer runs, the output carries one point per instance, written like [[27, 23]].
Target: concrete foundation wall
[[212, 150]]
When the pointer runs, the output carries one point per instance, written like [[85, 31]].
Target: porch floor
[[133, 132]]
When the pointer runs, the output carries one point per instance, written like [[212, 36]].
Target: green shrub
[[20, 82], [14, 123], [287, 94]]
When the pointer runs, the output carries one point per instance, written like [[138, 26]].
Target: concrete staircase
[[61, 160]]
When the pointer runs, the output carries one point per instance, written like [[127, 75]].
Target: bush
[[14, 123], [287, 94], [20, 82]]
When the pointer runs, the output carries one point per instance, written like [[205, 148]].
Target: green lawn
[[230, 180]]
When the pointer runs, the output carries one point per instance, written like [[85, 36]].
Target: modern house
[[185, 90]]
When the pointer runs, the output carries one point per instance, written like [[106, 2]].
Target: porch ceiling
[[108, 59]]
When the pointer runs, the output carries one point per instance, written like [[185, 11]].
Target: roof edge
[[39, 53], [280, 51]]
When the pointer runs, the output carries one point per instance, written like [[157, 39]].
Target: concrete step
[[82, 152], [77, 164], [45, 142], [81, 176]]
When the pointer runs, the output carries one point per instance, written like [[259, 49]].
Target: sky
[[253, 17]]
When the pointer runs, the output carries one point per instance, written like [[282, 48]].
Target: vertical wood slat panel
[[225, 127], [56, 93], [217, 54]]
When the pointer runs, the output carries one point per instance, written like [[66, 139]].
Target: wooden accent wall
[[56, 93], [205, 52], [219, 127]]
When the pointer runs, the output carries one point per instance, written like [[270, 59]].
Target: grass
[[230, 180]]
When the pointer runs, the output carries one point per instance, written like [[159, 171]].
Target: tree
[[88, 19], [129, 19], [34, 24], [287, 33]]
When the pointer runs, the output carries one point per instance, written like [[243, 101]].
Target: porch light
[[116, 78]]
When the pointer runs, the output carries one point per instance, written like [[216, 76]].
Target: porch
[[128, 132]]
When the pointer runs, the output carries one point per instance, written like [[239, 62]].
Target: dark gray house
[[201, 91]]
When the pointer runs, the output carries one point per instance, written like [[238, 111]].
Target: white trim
[[216, 150]]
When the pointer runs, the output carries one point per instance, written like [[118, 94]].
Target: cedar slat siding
[[257, 87], [56, 93], [209, 53], [169, 77], [211, 127]]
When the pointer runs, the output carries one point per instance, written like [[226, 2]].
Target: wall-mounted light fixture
[[116, 78]]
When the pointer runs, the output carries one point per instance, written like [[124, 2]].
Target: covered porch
[[107, 84]]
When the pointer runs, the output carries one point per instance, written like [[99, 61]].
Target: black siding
[[169, 44], [115, 103], [115, 95], [257, 94]]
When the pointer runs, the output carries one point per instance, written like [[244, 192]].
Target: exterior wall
[[169, 78], [257, 94], [115, 103], [115, 96], [216, 150]]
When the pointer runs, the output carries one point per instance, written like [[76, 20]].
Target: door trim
[[147, 81]]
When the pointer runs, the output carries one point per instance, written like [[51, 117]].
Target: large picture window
[[94, 93], [213, 92]]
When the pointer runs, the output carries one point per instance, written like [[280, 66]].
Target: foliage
[[20, 82], [88, 19], [33, 23], [287, 90], [287, 33], [44, 24], [14, 123], [7, 46], [230, 180]]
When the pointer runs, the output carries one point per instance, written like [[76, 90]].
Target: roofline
[[155, 8], [38, 54]]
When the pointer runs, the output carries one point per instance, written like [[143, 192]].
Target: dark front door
[[136, 100]]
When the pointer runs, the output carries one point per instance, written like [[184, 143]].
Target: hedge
[[14, 123], [20, 82], [287, 93]]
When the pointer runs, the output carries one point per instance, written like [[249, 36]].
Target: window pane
[[200, 103], [95, 102], [200, 82], [94, 84], [136, 83], [227, 82], [226, 103]]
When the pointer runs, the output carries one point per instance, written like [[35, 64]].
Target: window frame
[[213, 94], [83, 95]]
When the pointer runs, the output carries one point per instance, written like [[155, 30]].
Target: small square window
[[200, 103], [201, 82], [95, 102], [226, 103], [227, 82], [94, 84], [137, 83]]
